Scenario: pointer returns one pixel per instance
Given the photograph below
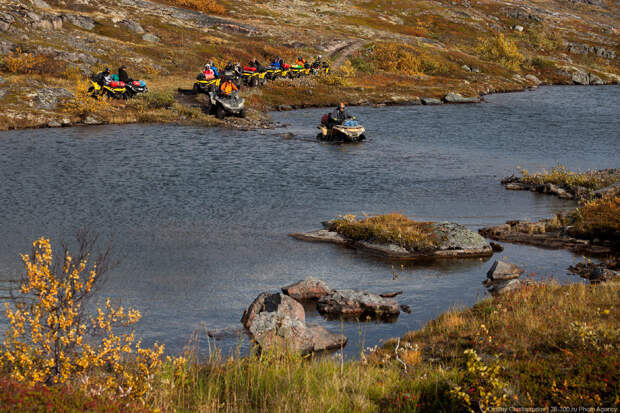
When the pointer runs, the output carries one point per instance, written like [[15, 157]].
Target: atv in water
[[349, 132], [222, 106], [112, 90]]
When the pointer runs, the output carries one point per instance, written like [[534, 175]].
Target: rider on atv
[[227, 87], [338, 116], [103, 78]]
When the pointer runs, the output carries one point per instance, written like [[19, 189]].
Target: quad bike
[[226, 105], [112, 90], [251, 77], [272, 73], [135, 87], [349, 132], [205, 85], [319, 68]]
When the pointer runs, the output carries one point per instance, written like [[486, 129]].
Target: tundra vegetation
[[542, 345], [380, 51]]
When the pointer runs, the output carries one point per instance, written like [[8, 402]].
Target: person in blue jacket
[[214, 68]]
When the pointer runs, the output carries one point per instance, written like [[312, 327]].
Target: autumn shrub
[[598, 218], [21, 62], [543, 40], [500, 50], [83, 103], [205, 6], [390, 228], [54, 337], [395, 57]]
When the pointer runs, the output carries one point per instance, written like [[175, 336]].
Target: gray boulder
[[308, 289], [91, 120], [430, 101], [458, 98], [351, 303], [533, 79], [459, 237], [132, 26], [595, 80], [278, 303], [40, 4], [506, 286], [78, 20], [277, 321], [502, 271], [148, 37]]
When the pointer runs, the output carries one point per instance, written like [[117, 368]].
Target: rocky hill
[[395, 51]]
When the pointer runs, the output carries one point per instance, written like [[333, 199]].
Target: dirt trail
[[345, 51]]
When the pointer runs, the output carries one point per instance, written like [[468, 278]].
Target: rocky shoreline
[[565, 191], [522, 232], [457, 241]]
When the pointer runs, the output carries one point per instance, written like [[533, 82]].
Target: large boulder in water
[[502, 271], [278, 303], [308, 289], [351, 303], [276, 320]]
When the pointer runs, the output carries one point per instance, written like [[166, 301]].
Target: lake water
[[199, 217]]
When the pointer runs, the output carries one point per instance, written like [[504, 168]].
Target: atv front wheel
[[253, 82], [242, 113], [220, 112]]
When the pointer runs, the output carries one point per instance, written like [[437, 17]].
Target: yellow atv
[[112, 90], [252, 78], [206, 85]]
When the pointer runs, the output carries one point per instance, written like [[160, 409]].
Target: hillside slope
[[387, 51]]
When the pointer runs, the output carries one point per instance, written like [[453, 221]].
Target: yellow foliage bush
[[83, 103], [482, 387], [598, 218], [23, 63], [52, 338], [393, 57], [501, 50], [205, 6]]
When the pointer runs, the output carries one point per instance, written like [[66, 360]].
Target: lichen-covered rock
[[277, 320], [277, 303], [351, 303], [459, 237], [310, 288]]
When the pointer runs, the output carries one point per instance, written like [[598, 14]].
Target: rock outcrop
[[275, 320], [458, 98], [351, 303], [308, 289]]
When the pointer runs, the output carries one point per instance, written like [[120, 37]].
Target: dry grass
[[205, 6], [391, 229], [561, 176]]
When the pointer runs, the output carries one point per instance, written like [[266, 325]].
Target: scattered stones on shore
[[607, 270], [539, 234], [456, 241], [277, 320]]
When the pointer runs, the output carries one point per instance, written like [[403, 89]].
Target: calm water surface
[[199, 217]]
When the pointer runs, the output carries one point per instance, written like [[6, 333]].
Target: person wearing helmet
[[301, 61], [318, 62], [212, 66], [103, 78], [208, 72], [227, 86]]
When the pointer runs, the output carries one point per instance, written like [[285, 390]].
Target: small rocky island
[[396, 236]]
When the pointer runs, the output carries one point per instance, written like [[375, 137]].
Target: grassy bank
[[381, 52], [544, 345], [562, 177]]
